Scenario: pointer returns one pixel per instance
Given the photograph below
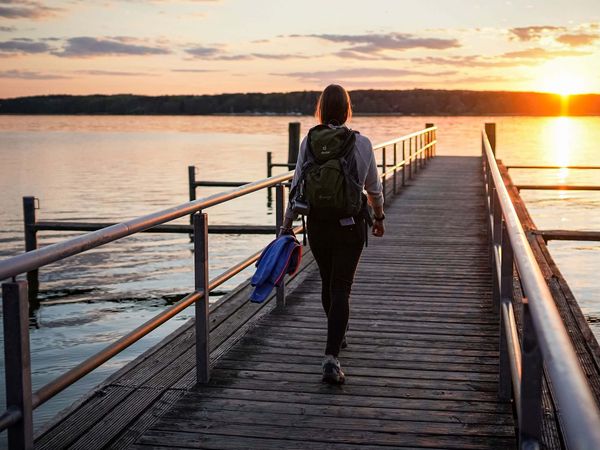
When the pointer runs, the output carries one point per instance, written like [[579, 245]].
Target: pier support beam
[[490, 130], [293, 143], [29, 219]]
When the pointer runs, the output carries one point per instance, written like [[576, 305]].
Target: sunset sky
[[213, 46]]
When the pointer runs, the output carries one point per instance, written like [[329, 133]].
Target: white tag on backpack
[[347, 221]]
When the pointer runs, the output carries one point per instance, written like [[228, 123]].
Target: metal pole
[[269, 175], [192, 187], [293, 143], [496, 240], [269, 164], [421, 156], [430, 138], [403, 164], [490, 130], [506, 296], [17, 359], [384, 181], [410, 160], [29, 220], [530, 417], [416, 155], [395, 169], [202, 305], [279, 213]]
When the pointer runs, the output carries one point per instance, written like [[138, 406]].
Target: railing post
[[279, 213], [29, 219], [384, 178], [421, 160], [490, 130], [395, 168], [403, 163], [530, 417], [506, 296], [416, 156], [430, 138], [293, 143], [192, 187], [269, 164], [202, 304], [17, 358], [496, 242], [410, 159]]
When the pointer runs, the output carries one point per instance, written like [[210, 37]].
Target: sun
[[563, 80], [564, 85]]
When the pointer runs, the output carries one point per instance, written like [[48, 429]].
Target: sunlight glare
[[558, 79]]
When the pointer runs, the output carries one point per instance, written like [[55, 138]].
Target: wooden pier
[[442, 349], [422, 360]]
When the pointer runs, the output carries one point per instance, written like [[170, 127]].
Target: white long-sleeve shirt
[[366, 167]]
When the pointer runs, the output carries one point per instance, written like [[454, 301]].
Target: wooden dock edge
[[584, 341], [230, 318]]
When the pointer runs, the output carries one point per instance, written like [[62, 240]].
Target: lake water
[[115, 168]]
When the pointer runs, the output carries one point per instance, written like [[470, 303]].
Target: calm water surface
[[115, 168]]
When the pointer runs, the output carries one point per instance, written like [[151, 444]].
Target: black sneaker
[[332, 371], [344, 343]]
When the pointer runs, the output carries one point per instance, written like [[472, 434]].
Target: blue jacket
[[281, 256]]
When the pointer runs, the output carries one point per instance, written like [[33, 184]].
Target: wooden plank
[[333, 435], [191, 419]]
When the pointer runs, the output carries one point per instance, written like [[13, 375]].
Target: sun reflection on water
[[561, 137]]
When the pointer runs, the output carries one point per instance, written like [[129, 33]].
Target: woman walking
[[334, 162]]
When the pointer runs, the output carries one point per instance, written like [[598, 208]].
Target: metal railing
[[545, 341], [555, 187], [21, 400]]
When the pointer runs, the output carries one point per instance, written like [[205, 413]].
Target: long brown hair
[[333, 106]]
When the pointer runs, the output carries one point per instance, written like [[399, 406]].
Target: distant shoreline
[[416, 102], [355, 114]]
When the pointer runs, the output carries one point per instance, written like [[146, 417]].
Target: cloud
[[354, 73], [203, 52], [194, 70], [22, 46], [377, 43], [83, 47], [465, 61], [539, 53], [30, 75], [218, 54], [533, 32], [351, 54], [23, 9], [7, 29], [115, 73], [577, 39]]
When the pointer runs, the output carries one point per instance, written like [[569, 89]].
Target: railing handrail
[[46, 255], [404, 138], [579, 411], [526, 166], [35, 259]]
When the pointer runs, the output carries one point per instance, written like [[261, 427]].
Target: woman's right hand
[[378, 229]]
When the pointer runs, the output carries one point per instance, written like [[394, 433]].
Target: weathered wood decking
[[421, 364]]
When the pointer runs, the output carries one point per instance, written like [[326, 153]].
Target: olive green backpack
[[329, 187]]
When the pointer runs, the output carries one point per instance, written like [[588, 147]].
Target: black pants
[[337, 251]]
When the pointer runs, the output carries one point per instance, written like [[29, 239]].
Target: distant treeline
[[410, 102]]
